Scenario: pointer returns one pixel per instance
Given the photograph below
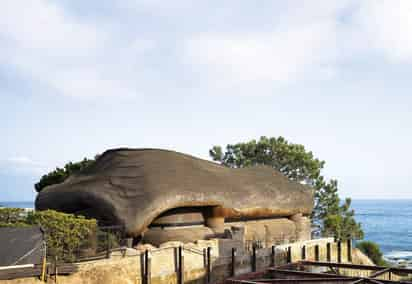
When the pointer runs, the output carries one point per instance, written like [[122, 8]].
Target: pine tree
[[330, 217]]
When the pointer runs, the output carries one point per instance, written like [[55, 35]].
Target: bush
[[373, 251], [12, 216], [107, 239], [13, 225], [59, 175], [65, 233]]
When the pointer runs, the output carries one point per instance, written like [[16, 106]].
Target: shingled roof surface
[[133, 186], [21, 246]]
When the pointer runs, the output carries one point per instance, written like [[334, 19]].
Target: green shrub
[[65, 233], [12, 215], [107, 239], [13, 225], [373, 251], [59, 175]]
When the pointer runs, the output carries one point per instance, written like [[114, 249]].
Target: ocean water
[[17, 204], [386, 222]]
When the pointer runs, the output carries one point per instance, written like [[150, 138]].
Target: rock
[[158, 236], [171, 244], [144, 247], [190, 245], [207, 243], [132, 187], [126, 252], [358, 257]]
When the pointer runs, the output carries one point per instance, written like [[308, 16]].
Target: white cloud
[[62, 53], [301, 41], [39, 24], [308, 42], [281, 56], [21, 165], [303, 46], [21, 160], [386, 26]]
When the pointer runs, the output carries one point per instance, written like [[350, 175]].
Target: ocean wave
[[383, 214], [399, 255]]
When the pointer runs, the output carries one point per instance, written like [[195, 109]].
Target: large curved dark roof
[[134, 186]]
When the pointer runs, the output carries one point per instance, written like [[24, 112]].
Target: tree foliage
[[299, 165], [12, 217], [373, 251], [292, 160], [59, 175], [341, 223], [65, 233]]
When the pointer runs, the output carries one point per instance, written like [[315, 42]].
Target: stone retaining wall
[[127, 268]]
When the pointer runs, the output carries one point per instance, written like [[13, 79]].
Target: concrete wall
[[188, 225], [275, 231], [128, 268]]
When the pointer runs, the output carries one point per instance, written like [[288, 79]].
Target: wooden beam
[[349, 249], [380, 272], [367, 280], [273, 256], [304, 273], [342, 265], [233, 272], [317, 255], [274, 280], [355, 266]]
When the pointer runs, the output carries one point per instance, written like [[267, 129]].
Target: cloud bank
[[67, 54]]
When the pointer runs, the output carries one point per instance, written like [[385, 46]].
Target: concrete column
[[302, 227], [215, 220]]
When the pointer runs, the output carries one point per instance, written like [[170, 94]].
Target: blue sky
[[79, 77]]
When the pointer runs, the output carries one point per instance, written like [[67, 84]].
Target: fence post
[[317, 253], [209, 265], [273, 256], [107, 244], [142, 269], [339, 251], [205, 264], [148, 268], [233, 261], [181, 266], [303, 252], [55, 269], [44, 263], [349, 247], [254, 258], [328, 252], [289, 255]]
